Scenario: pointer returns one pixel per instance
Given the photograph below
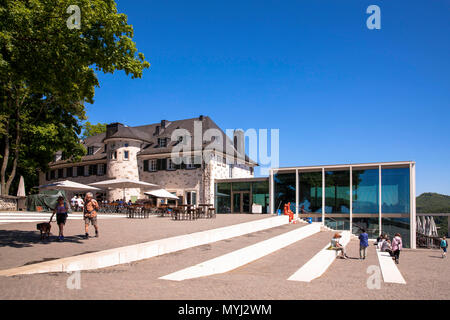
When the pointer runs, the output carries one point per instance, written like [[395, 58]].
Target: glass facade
[[395, 190], [237, 197], [284, 188], [359, 192], [223, 197], [260, 194], [371, 225], [310, 193], [337, 191], [391, 226], [365, 191]]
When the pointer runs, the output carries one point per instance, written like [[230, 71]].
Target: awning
[[68, 186], [161, 193]]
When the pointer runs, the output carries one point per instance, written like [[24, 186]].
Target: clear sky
[[338, 92]]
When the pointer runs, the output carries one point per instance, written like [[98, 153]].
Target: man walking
[[90, 214], [363, 244]]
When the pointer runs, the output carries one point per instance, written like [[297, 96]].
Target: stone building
[[184, 157]]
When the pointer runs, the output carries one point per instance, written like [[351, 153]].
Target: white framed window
[[153, 165], [170, 164], [191, 197], [113, 155], [90, 151], [126, 155]]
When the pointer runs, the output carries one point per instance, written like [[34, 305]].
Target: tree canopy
[[90, 130], [47, 74]]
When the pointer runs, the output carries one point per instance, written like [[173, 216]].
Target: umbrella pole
[[124, 194]]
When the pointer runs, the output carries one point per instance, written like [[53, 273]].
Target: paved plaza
[[424, 270]]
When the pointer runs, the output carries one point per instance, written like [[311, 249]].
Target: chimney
[[163, 124], [201, 117], [239, 142], [112, 128]]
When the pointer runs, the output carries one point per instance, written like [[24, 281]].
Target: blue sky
[[338, 92]]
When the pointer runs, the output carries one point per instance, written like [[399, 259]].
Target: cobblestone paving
[[425, 272], [20, 243]]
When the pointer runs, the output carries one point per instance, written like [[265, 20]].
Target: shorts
[[61, 218], [444, 249], [92, 220]]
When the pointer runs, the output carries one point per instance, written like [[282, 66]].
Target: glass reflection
[[365, 191], [395, 190], [337, 191], [284, 187], [310, 193], [223, 197]]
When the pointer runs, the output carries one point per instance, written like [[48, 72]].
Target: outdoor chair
[[211, 212]]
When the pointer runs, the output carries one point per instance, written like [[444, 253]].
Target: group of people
[[393, 247], [384, 244], [90, 208], [77, 203]]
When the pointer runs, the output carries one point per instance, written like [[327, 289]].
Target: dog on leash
[[44, 228]]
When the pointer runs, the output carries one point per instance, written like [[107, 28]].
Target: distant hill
[[435, 203], [432, 203]]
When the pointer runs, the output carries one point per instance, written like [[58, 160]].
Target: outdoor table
[[203, 209], [185, 211]]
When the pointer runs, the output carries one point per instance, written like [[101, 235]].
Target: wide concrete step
[[141, 251], [245, 255], [282, 263]]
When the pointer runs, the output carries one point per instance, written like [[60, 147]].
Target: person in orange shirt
[[90, 214]]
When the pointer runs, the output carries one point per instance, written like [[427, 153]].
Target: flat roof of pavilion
[[391, 164]]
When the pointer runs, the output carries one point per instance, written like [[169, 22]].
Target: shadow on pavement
[[22, 239]]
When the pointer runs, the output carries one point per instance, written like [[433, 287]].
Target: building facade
[[377, 197], [184, 157]]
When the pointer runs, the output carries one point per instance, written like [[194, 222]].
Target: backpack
[[443, 243]]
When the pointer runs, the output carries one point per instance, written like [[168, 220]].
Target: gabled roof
[[149, 135]]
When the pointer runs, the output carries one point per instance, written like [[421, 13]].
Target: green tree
[[90, 130], [47, 74]]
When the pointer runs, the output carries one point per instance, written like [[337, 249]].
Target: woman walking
[[397, 246], [61, 210]]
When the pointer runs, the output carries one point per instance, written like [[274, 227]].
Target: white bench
[[389, 269]]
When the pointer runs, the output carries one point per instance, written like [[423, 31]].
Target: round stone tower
[[122, 147]]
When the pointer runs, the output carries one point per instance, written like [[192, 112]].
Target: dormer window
[[90, 151], [162, 142]]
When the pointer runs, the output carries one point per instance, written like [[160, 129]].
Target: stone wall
[[8, 203]]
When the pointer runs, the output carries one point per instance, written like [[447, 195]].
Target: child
[[444, 246]]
